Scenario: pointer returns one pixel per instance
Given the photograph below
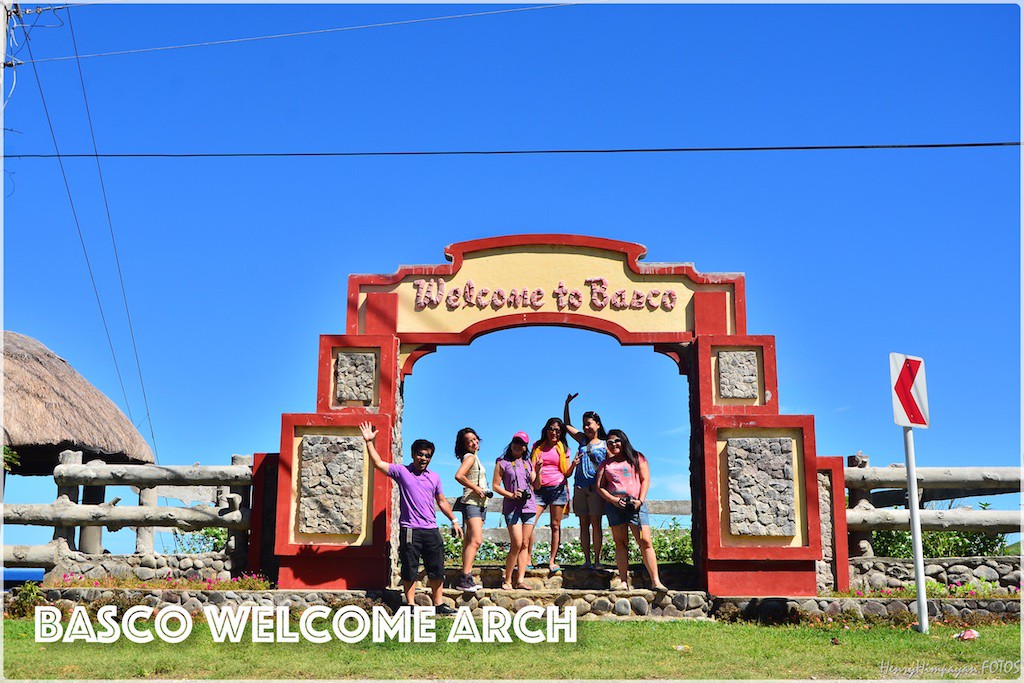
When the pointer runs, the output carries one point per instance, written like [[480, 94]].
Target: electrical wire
[[78, 226], [511, 152], [315, 32], [113, 241]]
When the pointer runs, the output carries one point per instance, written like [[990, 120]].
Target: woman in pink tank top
[[623, 480]]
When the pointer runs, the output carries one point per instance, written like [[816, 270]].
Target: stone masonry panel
[[331, 485], [825, 567], [737, 374], [354, 375], [761, 487]]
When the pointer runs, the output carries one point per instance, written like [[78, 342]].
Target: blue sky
[[233, 267]]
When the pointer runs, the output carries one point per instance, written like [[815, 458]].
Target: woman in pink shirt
[[623, 480], [552, 467]]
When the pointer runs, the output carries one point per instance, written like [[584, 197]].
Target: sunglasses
[[517, 442], [613, 442]]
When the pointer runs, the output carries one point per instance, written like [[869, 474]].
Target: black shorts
[[417, 544]]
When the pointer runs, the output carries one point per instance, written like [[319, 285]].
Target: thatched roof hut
[[49, 408]]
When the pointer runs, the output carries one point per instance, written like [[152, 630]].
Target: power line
[[78, 226], [113, 242], [510, 152], [232, 41]]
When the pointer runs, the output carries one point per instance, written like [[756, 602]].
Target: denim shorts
[[518, 517], [470, 511], [553, 495], [617, 516]]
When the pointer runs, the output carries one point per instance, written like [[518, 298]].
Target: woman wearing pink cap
[[513, 481]]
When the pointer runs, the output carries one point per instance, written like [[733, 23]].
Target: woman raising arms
[[586, 501], [513, 480], [551, 467], [623, 480]]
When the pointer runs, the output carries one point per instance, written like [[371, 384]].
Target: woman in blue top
[[586, 501]]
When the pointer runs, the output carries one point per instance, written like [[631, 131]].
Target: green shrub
[[209, 540], [23, 605], [11, 458], [888, 543]]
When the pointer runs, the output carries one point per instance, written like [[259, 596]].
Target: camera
[[627, 501], [489, 494], [523, 494]]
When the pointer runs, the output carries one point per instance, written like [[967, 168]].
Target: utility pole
[[6, 19]]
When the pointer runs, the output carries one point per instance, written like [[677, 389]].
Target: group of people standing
[[609, 478]]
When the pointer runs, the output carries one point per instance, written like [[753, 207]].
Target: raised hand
[[570, 397], [368, 431]]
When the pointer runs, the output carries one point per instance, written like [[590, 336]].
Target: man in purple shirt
[[418, 532]]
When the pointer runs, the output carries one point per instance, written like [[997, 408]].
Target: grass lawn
[[633, 649]]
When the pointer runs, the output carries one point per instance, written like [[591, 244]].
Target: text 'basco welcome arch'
[[762, 499]]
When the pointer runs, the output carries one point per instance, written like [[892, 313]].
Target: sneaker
[[445, 611], [619, 585], [587, 565], [466, 584]]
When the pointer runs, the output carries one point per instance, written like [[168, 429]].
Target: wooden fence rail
[[152, 475]]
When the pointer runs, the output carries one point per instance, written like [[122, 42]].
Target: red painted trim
[[381, 313], [456, 253], [740, 304], [678, 354], [260, 463], [840, 547], [424, 350], [305, 572], [715, 550], [730, 579], [546, 319], [387, 345], [381, 511], [706, 378], [710, 313]]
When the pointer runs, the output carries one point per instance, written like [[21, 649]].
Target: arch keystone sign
[[762, 499]]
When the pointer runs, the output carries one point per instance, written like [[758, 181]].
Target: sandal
[[506, 586], [660, 588], [522, 587], [554, 569]]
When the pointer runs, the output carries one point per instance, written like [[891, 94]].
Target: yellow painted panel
[[543, 267], [364, 538]]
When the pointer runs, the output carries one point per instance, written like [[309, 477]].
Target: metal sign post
[[910, 409]]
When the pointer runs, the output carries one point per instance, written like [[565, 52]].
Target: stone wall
[[396, 457], [889, 572], [331, 476], [145, 567], [354, 375], [826, 566], [737, 374], [775, 610], [589, 604], [761, 487]]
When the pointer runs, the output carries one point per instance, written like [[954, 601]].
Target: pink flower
[[95, 583]]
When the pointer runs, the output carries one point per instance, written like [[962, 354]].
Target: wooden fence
[[93, 514], [865, 512]]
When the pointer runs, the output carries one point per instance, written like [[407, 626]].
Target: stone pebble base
[[779, 609], [890, 572], [590, 604]]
